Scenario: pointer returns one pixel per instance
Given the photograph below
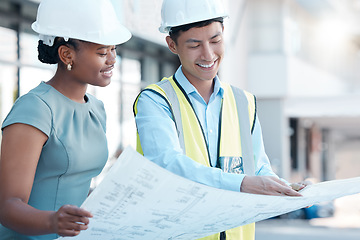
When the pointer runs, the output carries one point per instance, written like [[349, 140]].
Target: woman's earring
[[69, 67]]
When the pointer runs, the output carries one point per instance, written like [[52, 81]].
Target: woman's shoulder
[[34, 96], [30, 109], [33, 99], [93, 99], [95, 102]]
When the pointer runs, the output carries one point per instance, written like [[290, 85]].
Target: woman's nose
[[111, 58]]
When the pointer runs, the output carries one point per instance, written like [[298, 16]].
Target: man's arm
[[266, 181], [160, 144]]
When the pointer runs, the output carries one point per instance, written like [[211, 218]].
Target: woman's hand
[[69, 220]]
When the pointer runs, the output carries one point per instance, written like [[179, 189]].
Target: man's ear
[[171, 45], [66, 54]]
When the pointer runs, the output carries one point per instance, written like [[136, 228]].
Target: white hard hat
[[180, 12], [88, 20]]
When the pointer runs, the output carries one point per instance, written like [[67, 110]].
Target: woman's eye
[[109, 50]]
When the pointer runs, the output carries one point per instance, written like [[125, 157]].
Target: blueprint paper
[[137, 199]]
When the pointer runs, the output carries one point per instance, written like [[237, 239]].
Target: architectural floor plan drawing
[[139, 200]]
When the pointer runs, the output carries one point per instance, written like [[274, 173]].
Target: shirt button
[[210, 130]]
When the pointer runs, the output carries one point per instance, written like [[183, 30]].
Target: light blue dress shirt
[[160, 143]]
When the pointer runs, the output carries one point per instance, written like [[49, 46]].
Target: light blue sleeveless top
[[76, 149]]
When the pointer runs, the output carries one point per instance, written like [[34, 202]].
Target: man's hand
[[266, 185], [300, 185]]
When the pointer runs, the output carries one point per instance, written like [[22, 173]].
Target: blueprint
[[137, 199]]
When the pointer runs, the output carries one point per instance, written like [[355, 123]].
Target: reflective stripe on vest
[[234, 140], [245, 131]]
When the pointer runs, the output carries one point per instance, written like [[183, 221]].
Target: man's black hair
[[175, 31]]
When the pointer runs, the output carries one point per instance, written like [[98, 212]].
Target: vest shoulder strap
[[165, 90], [242, 106], [175, 108]]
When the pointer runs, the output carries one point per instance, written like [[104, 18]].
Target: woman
[[54, 137]]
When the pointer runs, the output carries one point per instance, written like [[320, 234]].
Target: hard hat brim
[[119, 35]]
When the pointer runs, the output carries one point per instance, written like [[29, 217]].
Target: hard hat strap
[[47, 40]]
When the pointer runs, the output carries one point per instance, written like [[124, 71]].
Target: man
[[197, 126]]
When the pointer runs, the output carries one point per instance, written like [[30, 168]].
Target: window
[[8, 70], [32, 71]]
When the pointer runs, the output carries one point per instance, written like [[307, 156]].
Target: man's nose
[[207, 52]]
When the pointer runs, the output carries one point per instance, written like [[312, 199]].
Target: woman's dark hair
[[174, 32], [49, 54]]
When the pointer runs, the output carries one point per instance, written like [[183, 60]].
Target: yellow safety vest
[[232, 152]]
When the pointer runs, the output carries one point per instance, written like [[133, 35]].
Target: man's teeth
[[206, 66]]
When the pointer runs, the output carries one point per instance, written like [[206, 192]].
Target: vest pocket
[[232, 164]]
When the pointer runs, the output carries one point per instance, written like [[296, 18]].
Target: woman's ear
[[171, 44], [66, 54]]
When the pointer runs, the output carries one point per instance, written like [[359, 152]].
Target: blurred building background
[[301, 58]]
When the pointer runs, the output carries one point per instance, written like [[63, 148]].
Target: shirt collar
[[189, 88]]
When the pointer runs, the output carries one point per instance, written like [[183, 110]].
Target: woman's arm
[[20, 151]]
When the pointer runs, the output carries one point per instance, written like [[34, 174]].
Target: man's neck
[[205, 88]]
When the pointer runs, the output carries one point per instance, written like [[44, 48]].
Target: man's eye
[[216, 41]]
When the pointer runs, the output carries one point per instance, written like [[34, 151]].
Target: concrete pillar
[[275, 133]]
